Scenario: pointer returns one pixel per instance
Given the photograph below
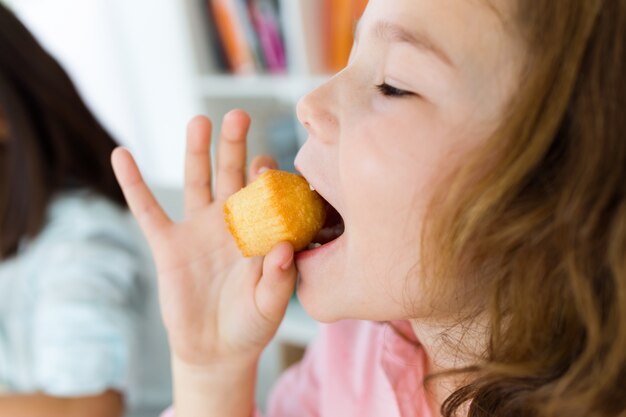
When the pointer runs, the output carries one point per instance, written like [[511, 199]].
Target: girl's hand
[[216, 304]]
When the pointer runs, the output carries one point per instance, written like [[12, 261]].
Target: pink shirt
[[354, 368]]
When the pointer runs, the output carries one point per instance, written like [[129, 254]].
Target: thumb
[[277, 282]]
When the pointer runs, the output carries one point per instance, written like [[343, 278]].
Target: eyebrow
[[392, 32]]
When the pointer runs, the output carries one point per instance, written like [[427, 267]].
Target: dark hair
[[545, 226], [54, 142]]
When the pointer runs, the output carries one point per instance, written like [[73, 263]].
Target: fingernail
[[287, 264], [263, 169], [233, 126]]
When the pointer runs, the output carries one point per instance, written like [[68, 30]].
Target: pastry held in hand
[[277, 207]]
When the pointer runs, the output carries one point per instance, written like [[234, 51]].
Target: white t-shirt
[[79, 310]]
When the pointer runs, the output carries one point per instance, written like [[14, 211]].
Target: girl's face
[[428, 80]]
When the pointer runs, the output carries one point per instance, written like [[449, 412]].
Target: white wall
[[132, 62]]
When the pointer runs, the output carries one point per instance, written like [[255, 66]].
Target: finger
[[259, 165], [198, 164], [149, 214], [277, 283], [231, 154]]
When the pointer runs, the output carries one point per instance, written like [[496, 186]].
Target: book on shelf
[[216, 46], [342, 17], [302, 50], [227, 20], [245, 18], [305, 37], [328, 28], [264, 16], [249, 35]]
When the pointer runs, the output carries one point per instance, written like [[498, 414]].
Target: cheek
[[388, 176], [389, 167]]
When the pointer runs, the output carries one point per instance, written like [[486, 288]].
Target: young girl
[[475, 151], [73, 291]]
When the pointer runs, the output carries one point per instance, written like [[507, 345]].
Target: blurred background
[[146, 67]]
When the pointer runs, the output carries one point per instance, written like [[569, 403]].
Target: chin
[[323, 311]]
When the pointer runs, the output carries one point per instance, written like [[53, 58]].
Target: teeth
[[313, 246], [311, 187]]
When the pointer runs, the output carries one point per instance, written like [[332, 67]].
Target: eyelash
[[389, 91]]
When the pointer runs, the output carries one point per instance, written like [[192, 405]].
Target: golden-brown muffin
[[277, 207]]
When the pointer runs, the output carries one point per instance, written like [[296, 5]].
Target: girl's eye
[[389, 91]]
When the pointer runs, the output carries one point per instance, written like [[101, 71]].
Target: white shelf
[[287, 88]]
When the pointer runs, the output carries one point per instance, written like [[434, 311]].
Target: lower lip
[[317, 252]]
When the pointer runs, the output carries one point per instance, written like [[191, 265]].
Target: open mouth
[[333, 228]]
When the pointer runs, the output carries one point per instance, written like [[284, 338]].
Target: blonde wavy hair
[[544, 228]]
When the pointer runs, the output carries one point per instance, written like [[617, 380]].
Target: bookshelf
[[312, 44], [315, 39], [284, 88]]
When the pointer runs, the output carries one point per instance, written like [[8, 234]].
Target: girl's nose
[[316, 111]]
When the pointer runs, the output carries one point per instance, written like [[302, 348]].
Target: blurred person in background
[[72, 269]]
